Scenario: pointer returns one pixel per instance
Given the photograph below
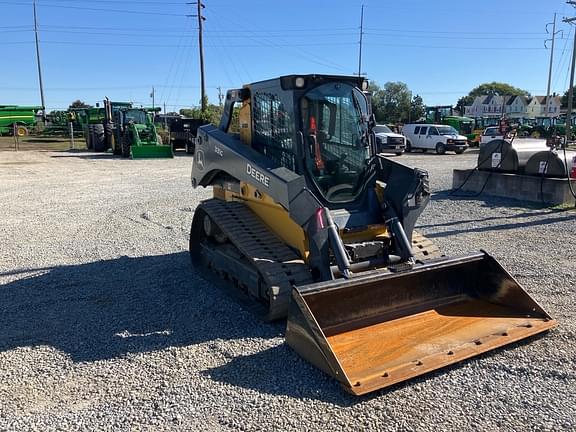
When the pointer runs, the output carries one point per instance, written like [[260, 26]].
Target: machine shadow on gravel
[[294, 377], [280, 371], [88, 155], [107, 309], [544, 216]]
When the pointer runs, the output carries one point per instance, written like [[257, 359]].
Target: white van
[[441, 138]]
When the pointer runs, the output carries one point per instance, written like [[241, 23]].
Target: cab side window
[[433, 131], [273, 129]]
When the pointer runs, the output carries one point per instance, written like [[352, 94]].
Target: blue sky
[[120, 49]]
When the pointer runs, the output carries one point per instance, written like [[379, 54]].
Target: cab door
[[432, 138], [422, 136]]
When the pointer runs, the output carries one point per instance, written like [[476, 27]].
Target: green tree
[[393, 102], [417, 109], [464, 101], [79, 104], [212, 113], [564, 98]]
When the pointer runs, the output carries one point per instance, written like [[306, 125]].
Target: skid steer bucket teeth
[[379, 329]]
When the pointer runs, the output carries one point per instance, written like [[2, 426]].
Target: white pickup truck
[[490, 134], [388, 141]]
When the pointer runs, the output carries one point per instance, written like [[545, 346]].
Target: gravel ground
[[105, 326]]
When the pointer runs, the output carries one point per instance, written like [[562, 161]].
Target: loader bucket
[[381, 328], [151, 151]]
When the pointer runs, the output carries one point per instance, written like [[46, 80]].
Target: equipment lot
[[105, 325]]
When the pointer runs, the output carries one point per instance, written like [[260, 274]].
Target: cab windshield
[[136, 116], [447, 130], [382, 129], [334, 119], [466, 128]]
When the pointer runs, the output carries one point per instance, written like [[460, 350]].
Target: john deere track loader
[[311, 223]]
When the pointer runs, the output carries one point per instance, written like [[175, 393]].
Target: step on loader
[[309, 222]]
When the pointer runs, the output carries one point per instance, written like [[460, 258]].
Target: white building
[[514, 106]]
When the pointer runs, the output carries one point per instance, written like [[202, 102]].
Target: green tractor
[[93, 129], [445, 115], [135, 135], [97, 124]]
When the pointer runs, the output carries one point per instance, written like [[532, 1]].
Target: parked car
[[388, 141], [440, 138], [490, 134]]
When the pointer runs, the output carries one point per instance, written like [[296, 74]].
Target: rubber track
[[280, 267]]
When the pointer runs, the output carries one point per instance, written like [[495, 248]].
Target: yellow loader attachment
[[381, 328]]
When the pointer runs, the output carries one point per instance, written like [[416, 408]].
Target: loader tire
[[116, 146], [90, 137], [109, 135], [125, 145], [99, 138], [424, 249]]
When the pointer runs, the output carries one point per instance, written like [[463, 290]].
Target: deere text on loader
[[312, 224]]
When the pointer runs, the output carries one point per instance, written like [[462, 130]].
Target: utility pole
[[361, 34], [38, 62], [198, 15], [201, 47], [165, 119], [571, 88], [554, 33], [220, 96]]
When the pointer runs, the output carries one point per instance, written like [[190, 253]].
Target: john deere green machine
[[98, 125], [16, 119], [445, 115], [135, 135]]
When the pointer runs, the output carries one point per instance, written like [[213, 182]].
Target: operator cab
[[317, 126], [334, 118]]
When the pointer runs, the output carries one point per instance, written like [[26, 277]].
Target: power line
[[349, 30], [137, 2], [148, 34], [302, 34], [262, 44], [296, 49], [138, 12], [457, 32], [124, 87], [457, 37]]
